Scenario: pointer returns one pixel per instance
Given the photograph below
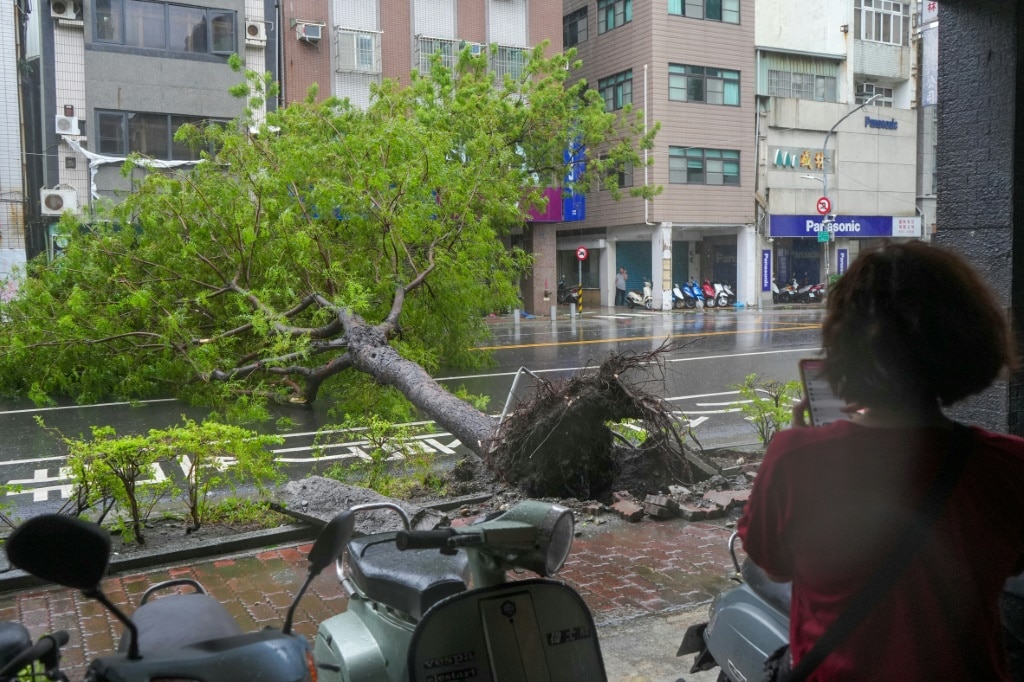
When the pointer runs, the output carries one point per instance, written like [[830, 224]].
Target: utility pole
[[828, 219]]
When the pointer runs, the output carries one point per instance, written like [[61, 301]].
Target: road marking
[[735, 332], [593, 368], [57, 408]]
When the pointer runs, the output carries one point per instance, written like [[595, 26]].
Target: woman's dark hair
[[911, 323]]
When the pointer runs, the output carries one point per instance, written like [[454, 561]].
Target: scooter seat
[[410, 581], [778, 595], [179, 620]]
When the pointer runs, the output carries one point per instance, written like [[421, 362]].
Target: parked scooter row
[[695, 295], [794, 292], [423, 605]]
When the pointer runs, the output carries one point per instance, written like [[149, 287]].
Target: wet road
[[716, 350]]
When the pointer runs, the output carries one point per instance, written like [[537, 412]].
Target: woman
[[909, 329]]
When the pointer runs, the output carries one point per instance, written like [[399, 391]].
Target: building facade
[[116, 77], [690, 66], [837, 131]]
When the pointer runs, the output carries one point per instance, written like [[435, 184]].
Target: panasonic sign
[[891, 124], [845, 226]]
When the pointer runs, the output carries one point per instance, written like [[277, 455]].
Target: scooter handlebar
[[423, 539], [45, 648]]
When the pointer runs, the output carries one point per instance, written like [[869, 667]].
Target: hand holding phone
[[825, 406]]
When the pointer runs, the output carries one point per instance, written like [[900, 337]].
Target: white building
[[818, 65]]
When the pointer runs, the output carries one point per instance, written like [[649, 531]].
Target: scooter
[[693, 290], [179, 636], [567, 294], [427, 606], [680, 300], [745, 624], [633, 299], [724, 295]]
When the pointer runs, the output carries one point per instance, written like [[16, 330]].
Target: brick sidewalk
[[621, 570]]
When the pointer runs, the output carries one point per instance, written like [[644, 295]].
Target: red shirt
[[829, 504]]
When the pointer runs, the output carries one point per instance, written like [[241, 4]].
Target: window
[[703, 84], [427, 47], [693, 166], [802, 86], [510, 60], [613, 13], [124, 132], [866, 91], [882, 21], [623, 176], [357, 50], [162, 26], [574, 28], [616, 90], [727, 11]]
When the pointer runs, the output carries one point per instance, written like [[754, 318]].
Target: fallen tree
[[335, 252]]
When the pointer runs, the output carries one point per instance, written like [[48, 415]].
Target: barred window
[[802, 86], [866, 91]]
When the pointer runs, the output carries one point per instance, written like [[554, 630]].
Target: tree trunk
[[372, 354]]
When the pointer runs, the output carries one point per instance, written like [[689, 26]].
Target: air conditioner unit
[[64, 9], [67, 125], [310, 32], [56, 201], [255, 33]]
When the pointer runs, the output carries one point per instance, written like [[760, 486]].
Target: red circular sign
[[581, 253], [824, 205]]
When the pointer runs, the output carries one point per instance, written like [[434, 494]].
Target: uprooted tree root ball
[[559, 444]]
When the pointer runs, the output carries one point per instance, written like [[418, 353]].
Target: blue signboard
[[842, 260], [766, 270], [853, 226], [574, 205]]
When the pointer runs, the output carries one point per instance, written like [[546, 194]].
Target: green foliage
[[244, 511], [120, 470], [199, 283], [630, 431], [394, 463], [123, 473], [213, 455], [767, 404]]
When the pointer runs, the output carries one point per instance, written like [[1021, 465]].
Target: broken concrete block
[[728, 499], [663, 501], [621, 495], [631, 511], [678, 490], [593, 508]]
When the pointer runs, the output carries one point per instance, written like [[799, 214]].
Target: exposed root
[[559, 444]]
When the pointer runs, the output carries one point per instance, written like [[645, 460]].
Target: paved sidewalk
[[644, 582]]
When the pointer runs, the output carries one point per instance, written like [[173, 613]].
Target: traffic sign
[[824, 205], [581, 254]]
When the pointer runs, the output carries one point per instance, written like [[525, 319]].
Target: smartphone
[[825, 406]]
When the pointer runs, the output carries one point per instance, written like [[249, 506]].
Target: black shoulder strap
[[882, 579]]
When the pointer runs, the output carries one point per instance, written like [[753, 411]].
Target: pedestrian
[[620, 287], [833, 504]]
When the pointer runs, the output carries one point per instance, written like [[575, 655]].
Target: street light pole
[[825, 222]]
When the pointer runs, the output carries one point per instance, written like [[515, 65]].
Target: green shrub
[[767, 404]]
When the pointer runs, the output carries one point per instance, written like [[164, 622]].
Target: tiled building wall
[[12, 199], [305, 63]]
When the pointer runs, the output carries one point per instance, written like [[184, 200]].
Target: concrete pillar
[[748, 270], [661, 266]]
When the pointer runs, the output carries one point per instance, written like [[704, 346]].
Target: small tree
[[767, 404], [214, 455], [118, 467]]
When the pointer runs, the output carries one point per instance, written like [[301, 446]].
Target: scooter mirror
[[331, 541], [62, 550]]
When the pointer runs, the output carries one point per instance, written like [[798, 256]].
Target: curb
[[16, 579]]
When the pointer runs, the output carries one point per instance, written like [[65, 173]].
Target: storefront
[[797, 251]]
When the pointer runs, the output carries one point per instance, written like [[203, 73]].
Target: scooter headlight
[[555, 528]]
